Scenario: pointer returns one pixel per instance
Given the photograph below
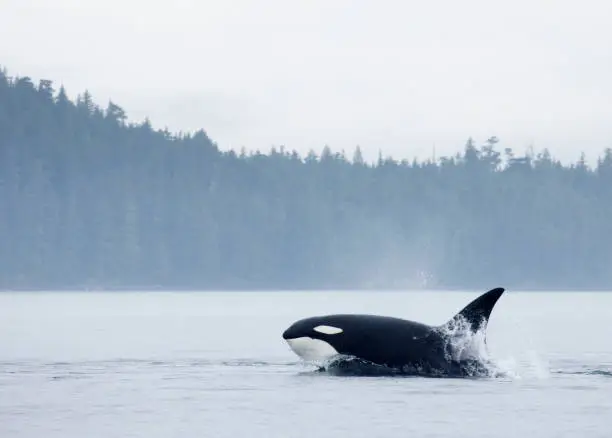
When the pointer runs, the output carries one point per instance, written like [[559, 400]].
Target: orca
[[398, 345]]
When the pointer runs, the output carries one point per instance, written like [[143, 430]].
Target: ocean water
[[208, 364]]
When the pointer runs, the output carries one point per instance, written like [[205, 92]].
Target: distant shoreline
[[313, 290], [91, 201]]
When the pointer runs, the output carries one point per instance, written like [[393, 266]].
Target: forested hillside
[[89, 200]]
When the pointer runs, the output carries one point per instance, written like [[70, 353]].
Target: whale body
[[395, 344]]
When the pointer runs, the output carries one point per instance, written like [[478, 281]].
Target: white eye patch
[[328, 329]]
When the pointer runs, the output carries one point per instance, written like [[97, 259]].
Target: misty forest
[[90, 200]]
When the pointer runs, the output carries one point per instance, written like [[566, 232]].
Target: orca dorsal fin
[[478, 311]]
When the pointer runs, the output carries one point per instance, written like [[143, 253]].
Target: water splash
[[462, 342]]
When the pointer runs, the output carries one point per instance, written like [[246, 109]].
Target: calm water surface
[[215, 365]]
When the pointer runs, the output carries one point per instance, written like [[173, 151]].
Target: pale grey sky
[[396, 75]]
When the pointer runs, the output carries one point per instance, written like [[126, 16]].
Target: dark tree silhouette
[[89, 200]]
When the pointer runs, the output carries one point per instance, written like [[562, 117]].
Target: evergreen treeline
[[88, 200]]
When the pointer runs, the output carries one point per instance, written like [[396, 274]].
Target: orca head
[[313, 338]]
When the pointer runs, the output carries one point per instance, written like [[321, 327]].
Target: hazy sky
[[401, 76]]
